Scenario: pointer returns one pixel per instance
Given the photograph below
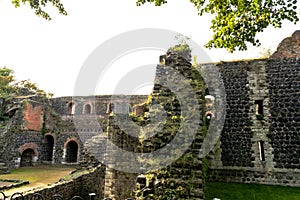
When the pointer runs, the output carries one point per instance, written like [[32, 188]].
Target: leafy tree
[[237, 22], [39, 5], [9, 89], [265, 53], [6, 78]]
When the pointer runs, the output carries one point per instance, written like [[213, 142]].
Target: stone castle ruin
[[259, 141]]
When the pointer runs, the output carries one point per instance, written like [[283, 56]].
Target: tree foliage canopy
[[237, 22], [10, 88], [39, 5]]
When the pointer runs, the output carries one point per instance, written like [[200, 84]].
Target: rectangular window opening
[[259, 109], [261, 150]]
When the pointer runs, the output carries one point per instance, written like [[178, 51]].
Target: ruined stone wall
[[181, 179], [260, 141], [101, 105], [28, 128], [289, 47], [17, 143], [236, 134], [33, 116], [91, 182], [284, 90], [24, 131], [81, 118]]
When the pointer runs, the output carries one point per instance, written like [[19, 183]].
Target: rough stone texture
[[92, 182], [259, 91], [249, 175], [236, 134], [289, 47], [237, 155], [185, 175], [100, 105], [33, 116], [284, 90], [183, 178], [118, 184], [276, 84]]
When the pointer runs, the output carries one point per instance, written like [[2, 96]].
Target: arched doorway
[[27, 158], [49, 145], [71, 152], [87, 109], [71, 108]]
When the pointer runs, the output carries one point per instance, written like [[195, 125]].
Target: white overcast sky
[[51, 53]]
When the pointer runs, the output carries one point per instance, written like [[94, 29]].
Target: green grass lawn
[[38, 176], [236, 191]]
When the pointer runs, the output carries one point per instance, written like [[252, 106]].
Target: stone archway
[[27, 158], [71, 152], [49, 148], [29, 154], [71, 108], [87, 109]]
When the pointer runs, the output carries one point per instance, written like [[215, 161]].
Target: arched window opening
[[27, 158], [49, 146], [141, 181], [71, 109], [208, 117], [87, 109], [71, 152], [110, 107]]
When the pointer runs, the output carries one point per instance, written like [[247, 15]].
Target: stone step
[[3, 168], [4, 171]]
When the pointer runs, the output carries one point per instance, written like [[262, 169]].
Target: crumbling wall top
[[289, 47]]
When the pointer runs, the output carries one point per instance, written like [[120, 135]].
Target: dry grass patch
[[38, 176]]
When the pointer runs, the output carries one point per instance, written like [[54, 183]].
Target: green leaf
[[38, 5], [237, 22]]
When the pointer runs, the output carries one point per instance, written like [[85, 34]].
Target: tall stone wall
[[236, 134], [18, 142], [29, 127], [173, 107], [260, 141], [183, 178], [23, 131], [284, 89], [33, 119]]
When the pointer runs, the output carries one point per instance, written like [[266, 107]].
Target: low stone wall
[[282, 177], [92, 182]]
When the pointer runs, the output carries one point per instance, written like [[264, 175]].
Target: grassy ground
[[235, 191], [37, 176], [43, 175]]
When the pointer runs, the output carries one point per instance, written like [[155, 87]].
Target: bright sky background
[[51, 53]]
